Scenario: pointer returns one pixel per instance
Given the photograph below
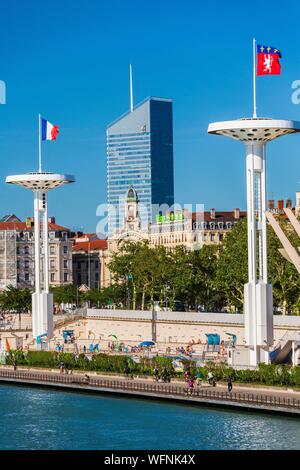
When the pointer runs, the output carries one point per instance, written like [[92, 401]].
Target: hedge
[[97, 362], [271, 374]]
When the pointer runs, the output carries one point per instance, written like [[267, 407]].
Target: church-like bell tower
[[132, 219]]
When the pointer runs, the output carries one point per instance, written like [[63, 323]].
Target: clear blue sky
[[69, 60]]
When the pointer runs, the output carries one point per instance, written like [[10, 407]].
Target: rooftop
[[93, 244], [150, 98]]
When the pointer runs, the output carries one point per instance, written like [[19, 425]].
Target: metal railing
[[143, 388]]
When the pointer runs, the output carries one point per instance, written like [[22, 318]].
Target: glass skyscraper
[[140, 154]]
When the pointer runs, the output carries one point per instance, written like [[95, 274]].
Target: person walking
[[229, 383], [187, 375], [190, 384], [210, 377], [156, 374], [126, 371]]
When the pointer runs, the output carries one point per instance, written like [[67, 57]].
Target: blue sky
[[69, 60]]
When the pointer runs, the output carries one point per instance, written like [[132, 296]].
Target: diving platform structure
[[255, 133], [42, 300]]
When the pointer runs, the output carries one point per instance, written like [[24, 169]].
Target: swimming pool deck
[[247, 398]]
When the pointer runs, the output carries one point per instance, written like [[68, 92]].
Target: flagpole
[[131, 88], [254, 78], [40, 146]]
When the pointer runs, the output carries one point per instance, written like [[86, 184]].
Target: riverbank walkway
[[248, 398]]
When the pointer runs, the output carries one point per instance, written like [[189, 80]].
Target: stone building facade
[[17, 253], [89, 261]]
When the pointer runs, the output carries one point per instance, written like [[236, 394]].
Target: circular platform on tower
[[40, 181], [258, 130]]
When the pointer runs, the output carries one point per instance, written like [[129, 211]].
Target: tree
[[232, 270], [205, 289], [67, 294], [282, 273], [16, 300]]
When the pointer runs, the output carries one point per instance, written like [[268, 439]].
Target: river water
[[37, 418]]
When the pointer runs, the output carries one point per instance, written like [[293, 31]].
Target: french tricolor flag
[[49, 131]]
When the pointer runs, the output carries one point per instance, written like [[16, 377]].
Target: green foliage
[[66, 294], [42, 359], [163, 363], [271, 374], [160, 274], [16, 299], [283, 274], [113, 294], [232, 271]]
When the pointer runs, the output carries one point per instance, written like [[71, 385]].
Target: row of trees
[[213, 277]]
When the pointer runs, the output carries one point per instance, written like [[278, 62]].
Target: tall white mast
[[131, 90], [254, 79], [40, 144]]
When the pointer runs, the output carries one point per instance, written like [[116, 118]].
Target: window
[[26, 264], [212, 237], [18, 250], [65, 249], [52, 250], [26, 276], [26, 250], [52, 277], [65, 277], [65, 263], [52, 235], [52, 263]]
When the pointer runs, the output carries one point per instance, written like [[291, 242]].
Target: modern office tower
[[140, 154]]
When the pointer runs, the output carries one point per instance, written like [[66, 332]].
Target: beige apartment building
[[91, 255], [17, 253], [192, 230]]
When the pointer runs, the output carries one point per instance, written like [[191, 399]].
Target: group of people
[[191, 381], [164, 376]]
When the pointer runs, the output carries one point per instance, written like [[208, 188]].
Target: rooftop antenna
[[131, 91]]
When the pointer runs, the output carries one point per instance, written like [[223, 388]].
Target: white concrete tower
[[258, 298], [42, 300]]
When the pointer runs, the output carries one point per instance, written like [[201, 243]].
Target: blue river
[[38, 418]]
